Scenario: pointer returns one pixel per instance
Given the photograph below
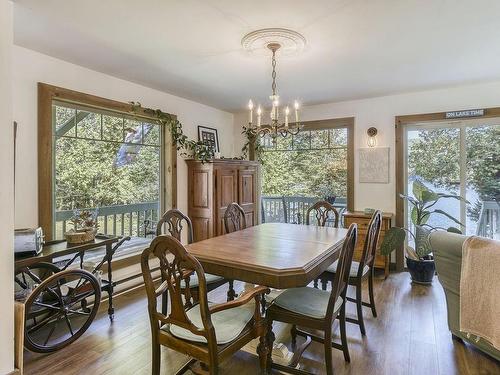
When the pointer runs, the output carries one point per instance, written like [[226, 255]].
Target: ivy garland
[[251, 137], [197, 149]]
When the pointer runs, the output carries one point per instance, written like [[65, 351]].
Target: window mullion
[[463, 176]]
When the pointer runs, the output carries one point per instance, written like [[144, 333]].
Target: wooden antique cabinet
[[362, 219], [212, 186]]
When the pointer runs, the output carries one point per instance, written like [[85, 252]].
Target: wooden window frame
[[344, 122], [400, 123], [46, 95]]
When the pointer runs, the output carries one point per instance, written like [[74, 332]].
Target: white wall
[[6, 192], [380, 112], [31, 67]]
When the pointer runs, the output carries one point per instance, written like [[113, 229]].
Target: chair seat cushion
[[228, 324], [353, 271], [307, 301], [193, 280]]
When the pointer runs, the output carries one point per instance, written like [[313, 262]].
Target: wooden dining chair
[[208, 333], [360, 271], [316, 309], [234, 218], [322, 211], [173, 221]]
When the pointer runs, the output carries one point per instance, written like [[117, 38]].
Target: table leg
[[110, 286]]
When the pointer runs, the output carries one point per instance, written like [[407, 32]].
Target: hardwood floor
[[410, 336]]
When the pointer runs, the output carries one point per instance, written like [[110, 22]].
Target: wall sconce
[[372, 136]]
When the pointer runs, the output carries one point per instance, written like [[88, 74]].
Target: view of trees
[[311, 164], [435, 157], [94, 167]]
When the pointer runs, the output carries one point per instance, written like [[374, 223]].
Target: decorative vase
[[421, 271]]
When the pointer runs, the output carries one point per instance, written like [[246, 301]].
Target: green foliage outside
[[434, 157], [312, 164], [86, 175]]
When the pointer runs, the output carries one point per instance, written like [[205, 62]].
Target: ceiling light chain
[[274, 128]]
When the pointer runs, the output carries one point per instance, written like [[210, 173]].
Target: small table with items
[[61, 292]]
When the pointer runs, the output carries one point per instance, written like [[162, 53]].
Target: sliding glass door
[[461, 158]]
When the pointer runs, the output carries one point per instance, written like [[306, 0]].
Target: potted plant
[[84, 226], [419, 259]]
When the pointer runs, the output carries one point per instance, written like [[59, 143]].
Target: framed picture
[[374, 165], [209, 136]]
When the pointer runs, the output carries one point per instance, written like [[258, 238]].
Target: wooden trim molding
[[348, 123], [400, 122], [46, 94]]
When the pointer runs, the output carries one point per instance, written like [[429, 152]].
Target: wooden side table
[[18, 336], [362, 219]]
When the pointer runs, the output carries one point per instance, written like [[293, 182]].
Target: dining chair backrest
[[322, 211], [234, 218], [371, 240], [173, 220], [273, 210], [176, 265], [343, 269]]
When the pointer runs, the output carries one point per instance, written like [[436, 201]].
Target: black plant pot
[[421, 271]]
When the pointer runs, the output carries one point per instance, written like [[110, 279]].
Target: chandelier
[[280, 120]]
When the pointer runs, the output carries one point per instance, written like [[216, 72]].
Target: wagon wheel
[[27, 278], [60, 310]]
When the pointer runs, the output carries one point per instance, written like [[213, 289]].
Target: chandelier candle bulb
[[250, 107], [296, 105], [287, 112], [259, 112]]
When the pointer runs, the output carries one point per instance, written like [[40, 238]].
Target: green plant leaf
[[418, 189], [393, 239], [447, 215], [414, 215], [424, 217], [410, 253], [454, 230], [422, 244], [429, 196], [457, 197], [408, 198]]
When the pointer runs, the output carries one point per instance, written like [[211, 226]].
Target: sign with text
[[467, 113]]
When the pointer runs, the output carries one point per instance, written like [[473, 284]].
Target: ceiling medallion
[[257, 41]]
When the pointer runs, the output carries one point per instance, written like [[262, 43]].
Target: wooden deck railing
[[488, 224], [128, 219]]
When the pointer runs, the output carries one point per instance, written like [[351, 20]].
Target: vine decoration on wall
[[195, 149], [198, 149], [251, 144]]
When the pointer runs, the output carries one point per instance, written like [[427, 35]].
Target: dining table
[[276, 255]]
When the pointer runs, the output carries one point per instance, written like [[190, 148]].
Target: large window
[[95, 154], [460, 158], [109, 162], [314, 164]]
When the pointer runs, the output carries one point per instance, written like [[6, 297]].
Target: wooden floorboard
[[410, 336]]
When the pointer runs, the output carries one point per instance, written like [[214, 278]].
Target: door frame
[[400, 123]]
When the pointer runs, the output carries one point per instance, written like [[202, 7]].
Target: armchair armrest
[[243, 299]]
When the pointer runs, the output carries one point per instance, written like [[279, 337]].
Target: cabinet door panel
[[227, 193], [247, 194], [200, 197]]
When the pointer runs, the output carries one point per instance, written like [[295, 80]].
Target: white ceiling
[[191, 48]]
